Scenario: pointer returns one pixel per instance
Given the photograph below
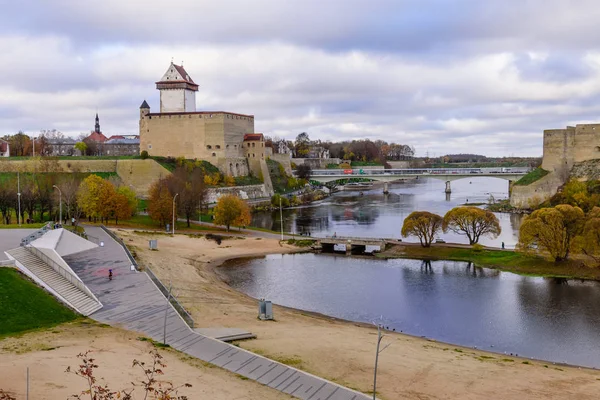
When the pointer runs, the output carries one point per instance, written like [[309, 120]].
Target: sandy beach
[[342, 351], [49, 353]]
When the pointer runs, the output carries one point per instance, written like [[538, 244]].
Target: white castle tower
[[177, 91]]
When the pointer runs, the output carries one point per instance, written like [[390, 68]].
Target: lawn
[[25, 306], [505, 260], [531, 177], [144, 222]]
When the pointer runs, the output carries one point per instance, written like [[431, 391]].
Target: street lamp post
[[19, 197], [379, 338], [174, 197], [60, 202], [281, 217], [33, 140]]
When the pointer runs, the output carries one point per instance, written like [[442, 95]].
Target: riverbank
[[504, 260], [342, 351]]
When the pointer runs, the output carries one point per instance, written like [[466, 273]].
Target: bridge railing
[[422, 171]]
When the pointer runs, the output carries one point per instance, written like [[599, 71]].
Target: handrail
[[74, 279], [35, 235], [118, 240], [176, 305]]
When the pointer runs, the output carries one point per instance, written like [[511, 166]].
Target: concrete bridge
[[446, 174], [354, 243]]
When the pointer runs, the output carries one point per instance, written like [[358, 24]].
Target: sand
[[49, 353], [342, 351]]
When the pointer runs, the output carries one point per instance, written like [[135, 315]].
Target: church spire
[[97, 128]]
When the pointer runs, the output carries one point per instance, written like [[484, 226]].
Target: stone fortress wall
[[564, 149]]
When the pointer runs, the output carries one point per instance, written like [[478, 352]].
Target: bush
[[477, 248], [216, 238], [345, 165], [275, 201], [144, 154]]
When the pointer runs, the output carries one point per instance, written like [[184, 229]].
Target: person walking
[[110, 274], [502, 245]]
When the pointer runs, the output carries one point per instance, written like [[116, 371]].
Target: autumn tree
[[231, 210], [189, 183], [303, 171], [8, 199], [302, 144], [472, 222], [423, 225], [553, 230], [589, 242], [87, 195], [160, 202]]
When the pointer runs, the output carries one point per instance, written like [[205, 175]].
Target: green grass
[[24, 306], [301, 242], [14, 225], [145, 222], [6, 176], [531, 177], [365, 164], [505, 260]]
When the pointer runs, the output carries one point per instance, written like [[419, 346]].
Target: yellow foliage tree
[[88, 195], [554, 230], [589, 242], [472, 222], [160, 203], [231, 210], [423, 225], [132, 200]]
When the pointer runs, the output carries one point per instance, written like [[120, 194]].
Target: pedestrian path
[[132, 301]]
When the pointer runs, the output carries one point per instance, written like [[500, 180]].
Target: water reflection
[[455, 302], [377, 215]]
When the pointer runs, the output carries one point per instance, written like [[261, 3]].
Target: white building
[[177, 91]]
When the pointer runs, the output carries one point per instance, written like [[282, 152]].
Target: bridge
[[446, 174], [354, 243]]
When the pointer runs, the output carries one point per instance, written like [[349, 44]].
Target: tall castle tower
[[177, 91]]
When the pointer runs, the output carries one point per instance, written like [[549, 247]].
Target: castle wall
[[586, 143], [202, 135], [190, 101], [172, 100]]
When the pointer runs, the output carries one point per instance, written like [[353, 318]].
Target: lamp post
[[174, 197], [19, 197], [379, 337], [281, 217], [60, 202], [33, 140]]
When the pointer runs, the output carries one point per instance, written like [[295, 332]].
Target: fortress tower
[[177, 91]]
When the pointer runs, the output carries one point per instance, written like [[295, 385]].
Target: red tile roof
[[97, 137], [253, 136], [116, 137]]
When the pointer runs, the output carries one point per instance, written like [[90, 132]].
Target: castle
[[225, 139], [567, 153]]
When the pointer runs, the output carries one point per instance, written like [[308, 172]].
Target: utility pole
[[379, 337], [33, 139], [166, 313], [281, 217], [19, 197], [60, 201], [174, 197]]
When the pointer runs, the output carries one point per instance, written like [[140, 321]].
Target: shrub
[[477, 248], [345, 165], [144, 154]]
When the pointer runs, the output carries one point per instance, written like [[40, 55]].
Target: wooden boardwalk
[[132, 301]]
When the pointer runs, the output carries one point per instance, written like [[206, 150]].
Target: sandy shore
[[411, 368], [49, 353]]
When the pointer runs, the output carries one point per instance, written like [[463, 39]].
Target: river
[[377, 215], [448, 301]]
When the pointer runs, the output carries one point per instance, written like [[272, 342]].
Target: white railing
[[421, 171], [62, 271]]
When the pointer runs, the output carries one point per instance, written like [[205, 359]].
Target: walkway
[[11, 238], [132, 301]]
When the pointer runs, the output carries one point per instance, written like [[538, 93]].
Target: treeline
[[82, 195], [364, 150]]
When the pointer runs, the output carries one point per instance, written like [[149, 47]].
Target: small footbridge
[[446, 174], [353, 244]]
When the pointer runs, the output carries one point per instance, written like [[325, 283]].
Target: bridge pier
[[385, 188], [448, 188], [510, 187]]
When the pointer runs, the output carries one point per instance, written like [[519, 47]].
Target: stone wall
[[244, 192], [316, 163], [140, 174], [537, 192], [202, 135], [285, 160], [37, 165]]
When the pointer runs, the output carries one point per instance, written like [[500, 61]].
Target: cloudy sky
[[444, 76]]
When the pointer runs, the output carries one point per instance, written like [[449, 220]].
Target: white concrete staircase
[[66, 289]]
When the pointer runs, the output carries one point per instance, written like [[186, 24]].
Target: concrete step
[[76, 298]]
